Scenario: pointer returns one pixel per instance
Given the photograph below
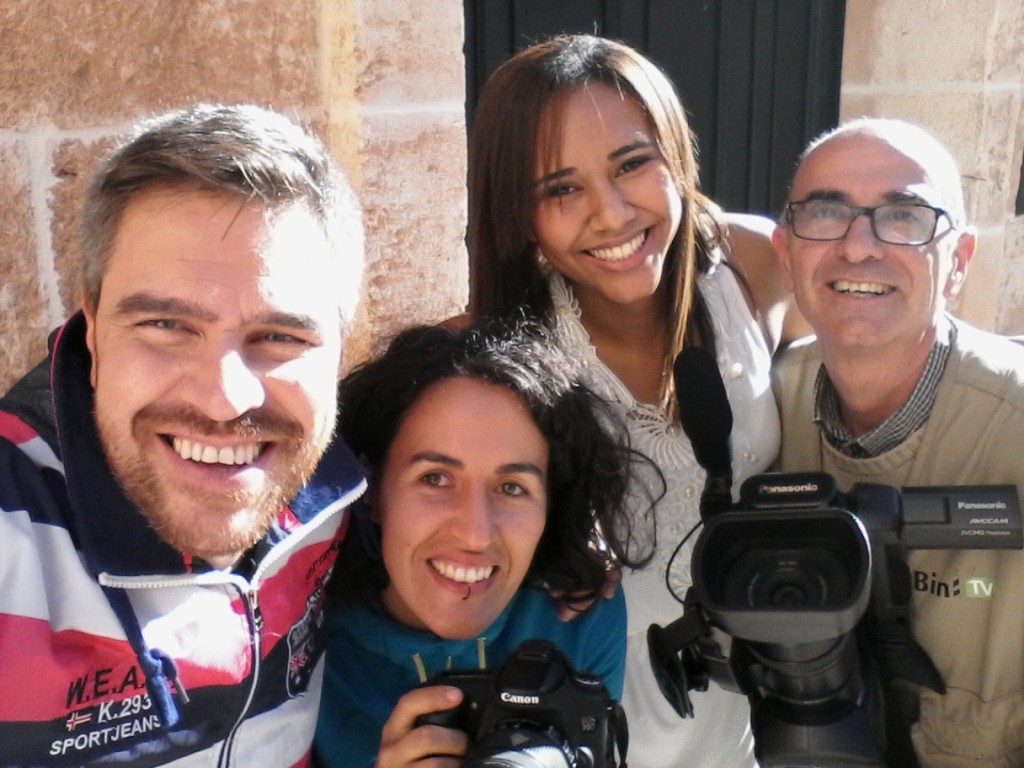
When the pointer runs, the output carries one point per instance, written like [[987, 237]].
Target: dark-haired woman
[[493, 482]]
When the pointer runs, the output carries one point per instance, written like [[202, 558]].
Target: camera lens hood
[[783, 576]]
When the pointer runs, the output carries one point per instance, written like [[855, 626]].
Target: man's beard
[[211, 524]]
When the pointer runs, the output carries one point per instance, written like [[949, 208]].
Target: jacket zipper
[[255, 616]]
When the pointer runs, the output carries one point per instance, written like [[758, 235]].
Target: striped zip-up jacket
[[111, 651]]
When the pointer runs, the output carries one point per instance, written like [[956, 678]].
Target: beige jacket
[[968, 605]]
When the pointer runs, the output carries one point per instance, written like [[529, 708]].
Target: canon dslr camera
[[535, 710]]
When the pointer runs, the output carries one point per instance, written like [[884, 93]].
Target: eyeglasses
[[893, 223]]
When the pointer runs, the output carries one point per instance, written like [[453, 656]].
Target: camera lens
[[783, 576], [520, 746], [789, 596], [773, 578]]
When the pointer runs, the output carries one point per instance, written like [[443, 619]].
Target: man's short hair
[[917, 143], [242, 150]]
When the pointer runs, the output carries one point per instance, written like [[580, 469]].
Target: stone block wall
[[381, 80], [956, 67]]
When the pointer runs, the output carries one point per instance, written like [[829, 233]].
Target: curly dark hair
[[590, 466]]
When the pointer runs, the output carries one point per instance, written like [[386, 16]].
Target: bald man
[[894, 390]]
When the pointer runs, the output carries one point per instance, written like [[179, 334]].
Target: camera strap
[[621, 729], [892, 644]]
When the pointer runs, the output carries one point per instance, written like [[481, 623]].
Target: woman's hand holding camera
[[403, 743]]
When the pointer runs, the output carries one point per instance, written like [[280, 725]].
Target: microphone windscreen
[[704, 409]]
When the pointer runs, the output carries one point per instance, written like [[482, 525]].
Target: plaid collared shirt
[[894, 430]]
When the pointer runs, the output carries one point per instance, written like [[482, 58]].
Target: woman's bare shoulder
[[749, 239]]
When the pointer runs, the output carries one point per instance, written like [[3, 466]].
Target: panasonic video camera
[[812, 588], [801, 594], [794, 559], [534, 710]]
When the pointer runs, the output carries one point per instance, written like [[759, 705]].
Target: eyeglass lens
[[896, 223]]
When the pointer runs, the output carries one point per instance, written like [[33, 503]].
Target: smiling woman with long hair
[[586, 213]]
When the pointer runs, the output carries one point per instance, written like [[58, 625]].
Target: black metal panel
[[685, 42], [1019, 210], [758, 78]]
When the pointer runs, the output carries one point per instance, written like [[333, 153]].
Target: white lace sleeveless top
[[744, 361], [719, 736]]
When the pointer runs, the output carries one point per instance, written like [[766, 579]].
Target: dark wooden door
[[758, 78]]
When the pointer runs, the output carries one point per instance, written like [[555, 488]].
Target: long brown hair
[[518, 116]]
